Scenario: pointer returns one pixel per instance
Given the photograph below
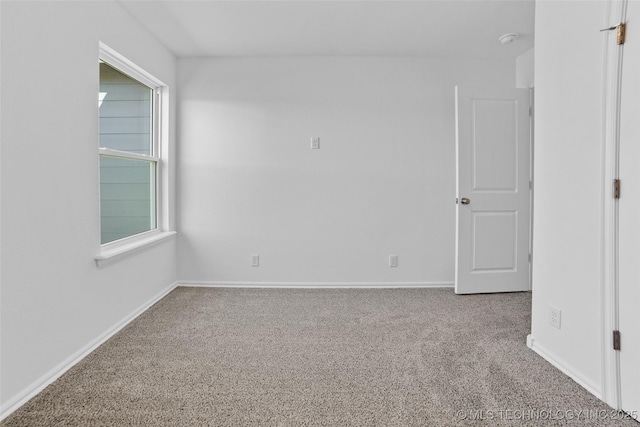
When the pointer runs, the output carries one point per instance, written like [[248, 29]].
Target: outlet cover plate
[[393, 260], [555, 317]]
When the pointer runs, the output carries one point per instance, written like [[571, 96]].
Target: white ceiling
[[339, 27]]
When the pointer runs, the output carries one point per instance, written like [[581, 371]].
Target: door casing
[[610, 312]]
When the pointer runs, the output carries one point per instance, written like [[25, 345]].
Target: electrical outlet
[[315, 142], [555, 315], [393, 260], [255, 260]]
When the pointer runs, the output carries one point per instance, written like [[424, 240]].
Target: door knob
[[465, 201]]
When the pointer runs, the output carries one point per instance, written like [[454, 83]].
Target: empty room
[[325, 212]]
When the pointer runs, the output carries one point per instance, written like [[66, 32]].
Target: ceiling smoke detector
[[508, 38]]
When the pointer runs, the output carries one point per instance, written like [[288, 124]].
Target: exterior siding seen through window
[[127, 177]]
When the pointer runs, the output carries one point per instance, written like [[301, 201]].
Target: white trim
[[1, 116], [108, 152], [36, 387], [312, 285], [612, 64], [128, 67], [562, 366], [532, 116], [109, 254], [159, 156]]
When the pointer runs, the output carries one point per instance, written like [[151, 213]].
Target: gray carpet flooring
[[319, 357]]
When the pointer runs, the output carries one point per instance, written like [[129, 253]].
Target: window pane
[[125, 112], [127, 197]]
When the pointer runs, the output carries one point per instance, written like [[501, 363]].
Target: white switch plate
[[393, 260], [315, 142], [255, 260]]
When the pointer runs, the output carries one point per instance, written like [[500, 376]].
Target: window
[[129, 149]]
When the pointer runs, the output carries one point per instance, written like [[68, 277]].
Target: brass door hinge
[[616, 188], [621, 33], [616, 340]]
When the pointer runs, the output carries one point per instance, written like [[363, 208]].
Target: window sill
[[108, 255]]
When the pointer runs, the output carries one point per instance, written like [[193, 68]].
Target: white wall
[[382, 182], [567, 259], [55, 301], [525, 69]]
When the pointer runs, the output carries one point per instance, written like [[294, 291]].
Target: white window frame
[[112, 250]]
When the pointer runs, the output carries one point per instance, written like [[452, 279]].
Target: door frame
[[532, 115], [612, 68]]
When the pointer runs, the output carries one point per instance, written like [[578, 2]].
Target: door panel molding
[[506, 249], [483, 137]]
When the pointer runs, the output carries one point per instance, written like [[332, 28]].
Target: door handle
[[465, 201]]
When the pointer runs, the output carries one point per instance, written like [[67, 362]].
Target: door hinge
[[616, 340], [616, 188], [622, 29]]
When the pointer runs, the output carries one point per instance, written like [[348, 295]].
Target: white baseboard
[[314, 285], [36, 387], [563, 367]]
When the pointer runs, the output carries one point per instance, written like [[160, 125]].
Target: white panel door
[[629, 218], [492, 213]]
